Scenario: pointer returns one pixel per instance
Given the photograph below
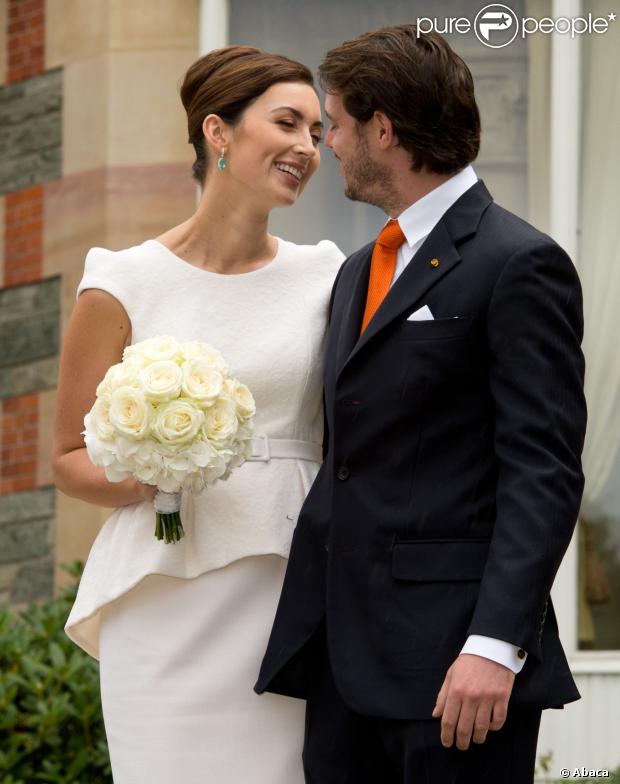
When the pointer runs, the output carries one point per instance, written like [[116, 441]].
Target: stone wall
[[29, 337], [31, 132], [26, 545], [93, 151], [30, 155]]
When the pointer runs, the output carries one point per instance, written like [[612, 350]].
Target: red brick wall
[[20, 419], [23, 233], [23, 236], [26, 39]]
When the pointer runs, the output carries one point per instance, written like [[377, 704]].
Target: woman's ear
[[216, 132]]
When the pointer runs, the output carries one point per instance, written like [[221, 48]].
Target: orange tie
[[382, 267]]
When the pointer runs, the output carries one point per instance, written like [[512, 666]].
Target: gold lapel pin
[[435, 262]]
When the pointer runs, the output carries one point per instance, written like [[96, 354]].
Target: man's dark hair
[[420, 83]]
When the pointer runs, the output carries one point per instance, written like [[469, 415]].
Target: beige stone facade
[[126, 161]]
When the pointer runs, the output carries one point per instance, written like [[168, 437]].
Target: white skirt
[[178, 661]]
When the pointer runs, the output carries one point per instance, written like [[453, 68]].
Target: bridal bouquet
[[170, 415]]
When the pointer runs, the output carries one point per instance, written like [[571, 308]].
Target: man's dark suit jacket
[[452, 477]]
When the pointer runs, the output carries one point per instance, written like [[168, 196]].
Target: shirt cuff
[[499, 651]]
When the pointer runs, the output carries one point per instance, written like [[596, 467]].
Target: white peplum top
[[270, 324]]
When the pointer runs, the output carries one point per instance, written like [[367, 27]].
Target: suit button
[[521, 653], [343, 473]]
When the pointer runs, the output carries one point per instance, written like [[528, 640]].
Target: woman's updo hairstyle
[[225, 82]]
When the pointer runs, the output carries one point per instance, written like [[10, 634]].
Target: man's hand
[[473, 700]]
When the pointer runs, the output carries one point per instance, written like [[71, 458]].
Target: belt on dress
[[265, 449]]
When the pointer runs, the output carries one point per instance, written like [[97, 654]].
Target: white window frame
[[565, 153]]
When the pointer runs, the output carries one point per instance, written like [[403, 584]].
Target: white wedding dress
[[180, 630]]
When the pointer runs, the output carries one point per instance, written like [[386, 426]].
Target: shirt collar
[[418, 220]]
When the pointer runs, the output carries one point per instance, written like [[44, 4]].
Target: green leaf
[[57, 655]]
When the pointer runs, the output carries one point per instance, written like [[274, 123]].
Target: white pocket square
[[422, 314]]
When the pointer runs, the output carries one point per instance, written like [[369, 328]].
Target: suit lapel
[[418, 277], [352, 312]]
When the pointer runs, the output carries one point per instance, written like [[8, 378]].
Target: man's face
[[364, 178]]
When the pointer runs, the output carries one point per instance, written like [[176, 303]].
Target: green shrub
[[51, 725]]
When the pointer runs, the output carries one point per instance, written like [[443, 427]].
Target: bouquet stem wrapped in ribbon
[[168, 525], [170, 415]]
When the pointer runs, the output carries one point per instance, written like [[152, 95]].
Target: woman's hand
[[146, 492]]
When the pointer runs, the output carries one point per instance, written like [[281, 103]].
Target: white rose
[[105, 386], [126, 372], [161, 380], [194, 349], [177, 422], [100, 417], [202, 382], [123, 374], [246, 407], [221, 422], [155, 348], [130, 412]]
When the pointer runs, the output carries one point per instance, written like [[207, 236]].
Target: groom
[[415, 615]]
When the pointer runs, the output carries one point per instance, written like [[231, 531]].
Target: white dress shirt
[[417, 222]]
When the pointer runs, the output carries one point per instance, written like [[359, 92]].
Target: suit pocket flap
[[439, 560]]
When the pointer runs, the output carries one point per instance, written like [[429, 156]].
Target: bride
[[180, 629]]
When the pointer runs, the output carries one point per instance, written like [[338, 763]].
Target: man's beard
[[365, 180]]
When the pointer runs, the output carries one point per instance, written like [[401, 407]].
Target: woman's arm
[[98, 331]]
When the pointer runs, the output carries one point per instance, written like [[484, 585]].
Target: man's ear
[[216, 132], [384, 130]]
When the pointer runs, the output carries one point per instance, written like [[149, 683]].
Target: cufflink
[[521, 653]]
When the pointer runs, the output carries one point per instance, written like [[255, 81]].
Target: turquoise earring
[[221, 161]]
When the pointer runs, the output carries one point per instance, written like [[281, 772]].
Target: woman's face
[[274, 150]]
